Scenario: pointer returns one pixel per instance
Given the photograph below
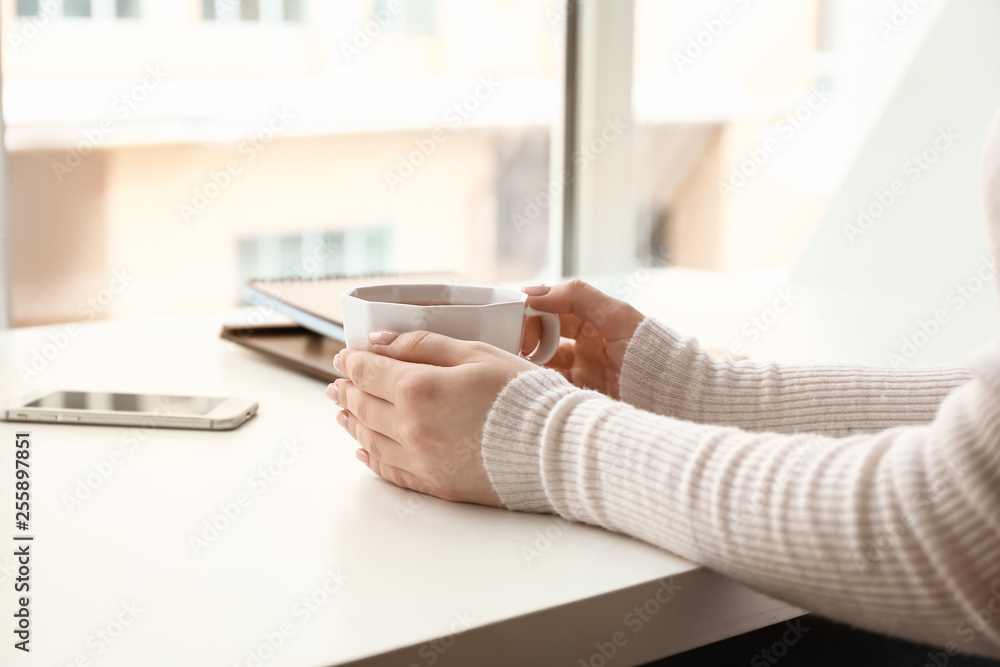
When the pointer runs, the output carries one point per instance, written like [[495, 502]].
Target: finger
[[570, 325], [377, 445], [590, 305], [532, 334], [424, 347], [401, 478], [564, 357], [371, 373], [391, 473], [374, 412]]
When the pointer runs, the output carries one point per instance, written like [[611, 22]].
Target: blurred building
[[193, 143]]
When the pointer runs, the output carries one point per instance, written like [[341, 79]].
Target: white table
[[409, 579]]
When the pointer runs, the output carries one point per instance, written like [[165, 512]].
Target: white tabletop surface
[[410, 580]]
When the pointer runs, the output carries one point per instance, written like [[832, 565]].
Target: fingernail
[[536, 290], [382, 337], [336, 362], [331, 393], [342, 419], [362, 456]]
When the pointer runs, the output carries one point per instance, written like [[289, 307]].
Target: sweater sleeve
[[672, 375], [896, 531]]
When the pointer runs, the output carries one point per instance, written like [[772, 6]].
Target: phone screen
[[87, 400]]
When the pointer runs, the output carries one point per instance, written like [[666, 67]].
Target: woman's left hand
[[417, 406]]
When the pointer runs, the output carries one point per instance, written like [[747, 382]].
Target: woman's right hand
[[596, 330]]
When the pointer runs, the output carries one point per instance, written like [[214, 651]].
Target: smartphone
[[150, 410]]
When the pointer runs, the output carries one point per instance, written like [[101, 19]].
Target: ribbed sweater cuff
[[513, 438], [671, 375], [654, 354]]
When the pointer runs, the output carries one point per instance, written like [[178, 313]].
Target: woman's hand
[[417, 406], [596, 329]]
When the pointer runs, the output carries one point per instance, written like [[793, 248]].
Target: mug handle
[[548, 342]]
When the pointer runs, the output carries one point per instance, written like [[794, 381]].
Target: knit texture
[[671, 375], [868, 495]]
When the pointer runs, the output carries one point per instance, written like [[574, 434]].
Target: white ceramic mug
[[468, 312]]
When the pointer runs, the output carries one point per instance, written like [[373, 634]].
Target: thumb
[[421, 347], [612, 318]]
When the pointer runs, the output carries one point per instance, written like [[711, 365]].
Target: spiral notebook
[[314, 303]]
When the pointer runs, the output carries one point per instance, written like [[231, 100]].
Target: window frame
[[4, 265], [597, 87], [99, 9]]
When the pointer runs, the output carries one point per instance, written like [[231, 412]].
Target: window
[[417, 135], [702, 88], [227, 10], [4, 263], [293, 10], [338, 146], [416, 17], [76, 8], [249, 10], [99, 9], [349, 251], [265, 11], [127, 9], [27, 7]]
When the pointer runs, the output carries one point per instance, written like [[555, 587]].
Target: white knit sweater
[[868, 495]]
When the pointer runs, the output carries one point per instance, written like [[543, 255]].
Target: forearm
[[671, 375], [798, 516]]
